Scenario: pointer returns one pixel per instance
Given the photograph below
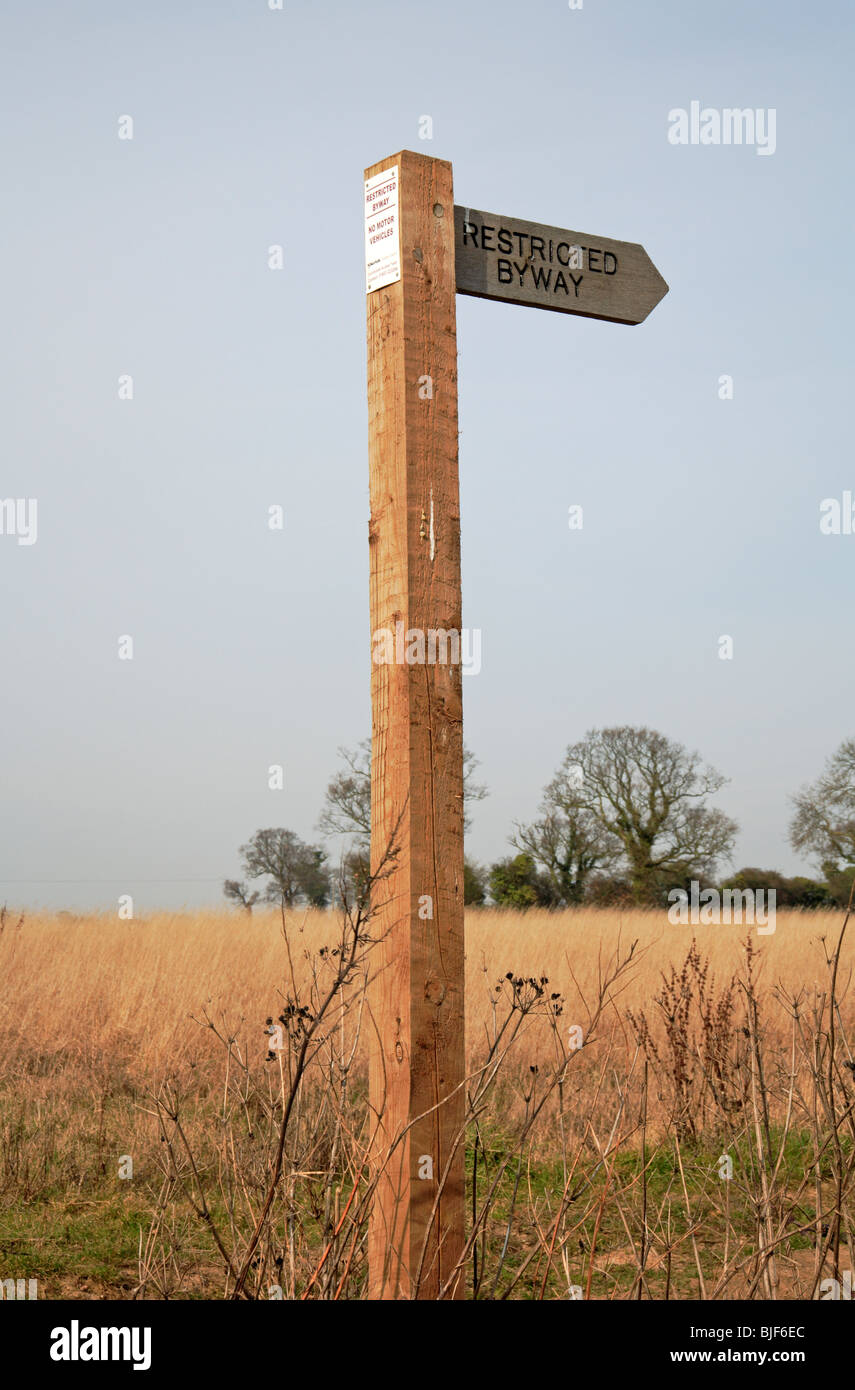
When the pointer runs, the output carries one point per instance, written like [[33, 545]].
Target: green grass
[[68, 1220]]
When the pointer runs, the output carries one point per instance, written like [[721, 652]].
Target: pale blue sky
[[252, 127]]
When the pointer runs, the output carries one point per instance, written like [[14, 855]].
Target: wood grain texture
[[417, 1066], [527, 263]]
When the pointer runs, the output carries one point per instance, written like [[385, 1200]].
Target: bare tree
[[239, 893], [567, 841], [472, 790], [347, 805], [295, 870], [824, 819], [648, 793]]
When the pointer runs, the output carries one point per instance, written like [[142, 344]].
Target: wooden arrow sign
[[550, 268]]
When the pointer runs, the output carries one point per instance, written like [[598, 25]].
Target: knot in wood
[[434, 991]]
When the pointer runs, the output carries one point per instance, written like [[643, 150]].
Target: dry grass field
[[79, 987], [595, 1172]]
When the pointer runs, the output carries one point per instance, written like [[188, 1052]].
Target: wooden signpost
[[421, 251]]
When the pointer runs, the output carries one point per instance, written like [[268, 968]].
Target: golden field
[[145, 1039], [75, 985]]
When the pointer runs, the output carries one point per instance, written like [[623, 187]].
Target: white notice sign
[[382, 240]]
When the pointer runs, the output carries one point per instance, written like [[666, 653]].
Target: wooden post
[[417, 1065]]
